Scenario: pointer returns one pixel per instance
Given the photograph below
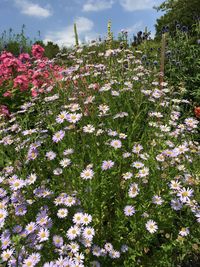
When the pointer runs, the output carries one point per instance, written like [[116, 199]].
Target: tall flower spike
[[110, 36], [76, 35]]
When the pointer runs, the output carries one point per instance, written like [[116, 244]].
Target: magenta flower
[[37, 51], [24, 57], [21, 81]]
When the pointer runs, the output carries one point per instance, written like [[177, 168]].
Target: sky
[[54, 19]]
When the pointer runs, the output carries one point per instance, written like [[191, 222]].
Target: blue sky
[[54, 18]]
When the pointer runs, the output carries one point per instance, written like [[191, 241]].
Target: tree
[[13, 47], [180, 14], [51, 50]]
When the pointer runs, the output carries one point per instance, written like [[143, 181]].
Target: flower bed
[[100, 171]]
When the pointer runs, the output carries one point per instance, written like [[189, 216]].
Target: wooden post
[[162, 60], [145, 41]]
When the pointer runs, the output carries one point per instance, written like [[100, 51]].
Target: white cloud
[[65, 36], [31, 9], [133, 5], [91, 36], [138, 26], [97, 5]]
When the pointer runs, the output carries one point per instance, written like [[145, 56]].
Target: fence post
[[162, 59]]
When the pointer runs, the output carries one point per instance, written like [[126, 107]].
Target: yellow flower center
[[185, 194], [43, 235]]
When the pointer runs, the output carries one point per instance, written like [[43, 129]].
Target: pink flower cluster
[[22, 82], [26, 73], [37, 51]]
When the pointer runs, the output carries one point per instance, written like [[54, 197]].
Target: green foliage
[[182, 12], [127, 88], [51, 50], [115, 89], [19, 43], [15, 43], [183, 63], [13, 47]]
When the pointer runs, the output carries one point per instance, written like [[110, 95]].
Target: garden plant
[[99, 158]]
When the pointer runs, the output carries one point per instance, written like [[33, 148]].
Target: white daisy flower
[[31, 227], [116, 143], [57, 171], [108, 247], [17, 184], [50, 155], [160, 158], [31, 178], [126, 155], [88, 128], [107, 164], [103, 109], [176, 204], [3, 214], [43, 235], [73, 232], [129, 210], [157, 200], [184, 231], [74, 247], [88, 233], [86, 219], [6, 254], [61, 117], [114, 254], [143, 172], [151, 226], [137, 164], [74, 107], [137, 148], [74, 117], [127, 175], [65, 162], [69, 201], [185, 194], [175, 185], [133, 190], [77, 218], [62, 213], [68, 151], [87, 174], [58, 136], [79, 257]]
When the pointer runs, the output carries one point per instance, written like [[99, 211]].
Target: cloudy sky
[[54, 18]]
